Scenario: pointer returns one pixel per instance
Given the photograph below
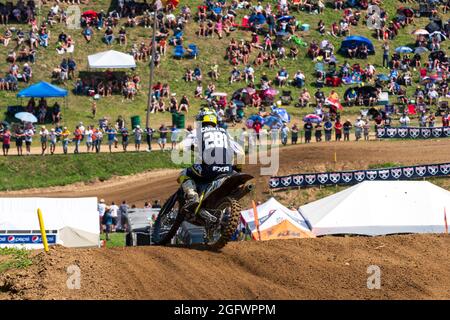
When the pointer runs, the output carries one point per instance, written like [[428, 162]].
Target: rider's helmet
[[205, 111], [209, 120]]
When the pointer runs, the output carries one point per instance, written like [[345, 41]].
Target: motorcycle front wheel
[[168, 221], [219, 236]]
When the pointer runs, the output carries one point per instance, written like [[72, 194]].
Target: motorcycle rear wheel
[[229, 224]]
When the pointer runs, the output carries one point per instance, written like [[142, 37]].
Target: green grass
[[384, 165], [56, 170], [115, 240], [15, 259], [172, 71]]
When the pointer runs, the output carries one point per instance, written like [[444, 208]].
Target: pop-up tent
[[111, 60], [42, 90], [354, 41], [379, 208], [276, 222], [69, 222]]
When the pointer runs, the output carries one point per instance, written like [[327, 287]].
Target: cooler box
[[305, 27], [384, 99]]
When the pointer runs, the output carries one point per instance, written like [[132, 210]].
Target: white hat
[[138, 126], [279, 102], [102, 200]]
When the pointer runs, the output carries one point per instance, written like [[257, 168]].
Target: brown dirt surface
[[412, 267]]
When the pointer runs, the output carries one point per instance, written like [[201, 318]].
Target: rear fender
[[228, 187]]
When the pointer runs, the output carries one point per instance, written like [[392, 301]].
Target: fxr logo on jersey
[[220, 169]]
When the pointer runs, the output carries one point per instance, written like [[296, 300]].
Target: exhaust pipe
[[242, 191]]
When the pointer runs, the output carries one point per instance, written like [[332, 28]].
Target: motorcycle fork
[[199, 203]]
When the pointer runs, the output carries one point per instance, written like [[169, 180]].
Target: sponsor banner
[[357, 176], [26, 239], [413, 133]]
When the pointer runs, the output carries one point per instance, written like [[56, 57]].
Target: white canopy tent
[[111, 60], [379, 208], [71, 222]]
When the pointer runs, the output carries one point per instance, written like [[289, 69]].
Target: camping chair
[[178, 52], [286, 97], [192, 51], [296, 4], [443, 106], [298, 41], [176, 38], [244, 23]]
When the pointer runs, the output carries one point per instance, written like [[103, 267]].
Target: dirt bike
[[218, 211]]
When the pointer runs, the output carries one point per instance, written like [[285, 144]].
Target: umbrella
[[438, 33], [383, 77], [250, 91], [283, 18], [314, 118], [333, 102], [421, 32], [256, 117], [219, 94], [89, 13], [403, 49], [324, 43], [420, 50], [272, 121], [26, 117], [282, 114], [271, 92]]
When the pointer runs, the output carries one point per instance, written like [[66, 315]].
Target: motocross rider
[[220, 145]]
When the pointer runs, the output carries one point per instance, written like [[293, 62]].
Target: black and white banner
[[354, 177], [413, 133]]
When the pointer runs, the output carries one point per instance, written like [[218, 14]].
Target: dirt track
[[412, 267], [293, 159]]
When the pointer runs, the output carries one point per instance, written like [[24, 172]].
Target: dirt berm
[[412, 267]]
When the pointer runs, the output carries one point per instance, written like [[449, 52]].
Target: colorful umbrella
[[271, 92], [314, 118], [334, 102], [282, 114]]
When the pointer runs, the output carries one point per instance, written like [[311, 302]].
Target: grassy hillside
[[36, 172], [211, 51]]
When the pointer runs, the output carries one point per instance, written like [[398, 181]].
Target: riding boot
[[190, 191]]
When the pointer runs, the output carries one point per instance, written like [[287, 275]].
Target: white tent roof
[[111, 59], [272, 213], [379, 208], [75, 221]]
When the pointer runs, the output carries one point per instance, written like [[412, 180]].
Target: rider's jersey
[[216, 155]]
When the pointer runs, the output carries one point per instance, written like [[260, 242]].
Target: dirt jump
[[412, 267]]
